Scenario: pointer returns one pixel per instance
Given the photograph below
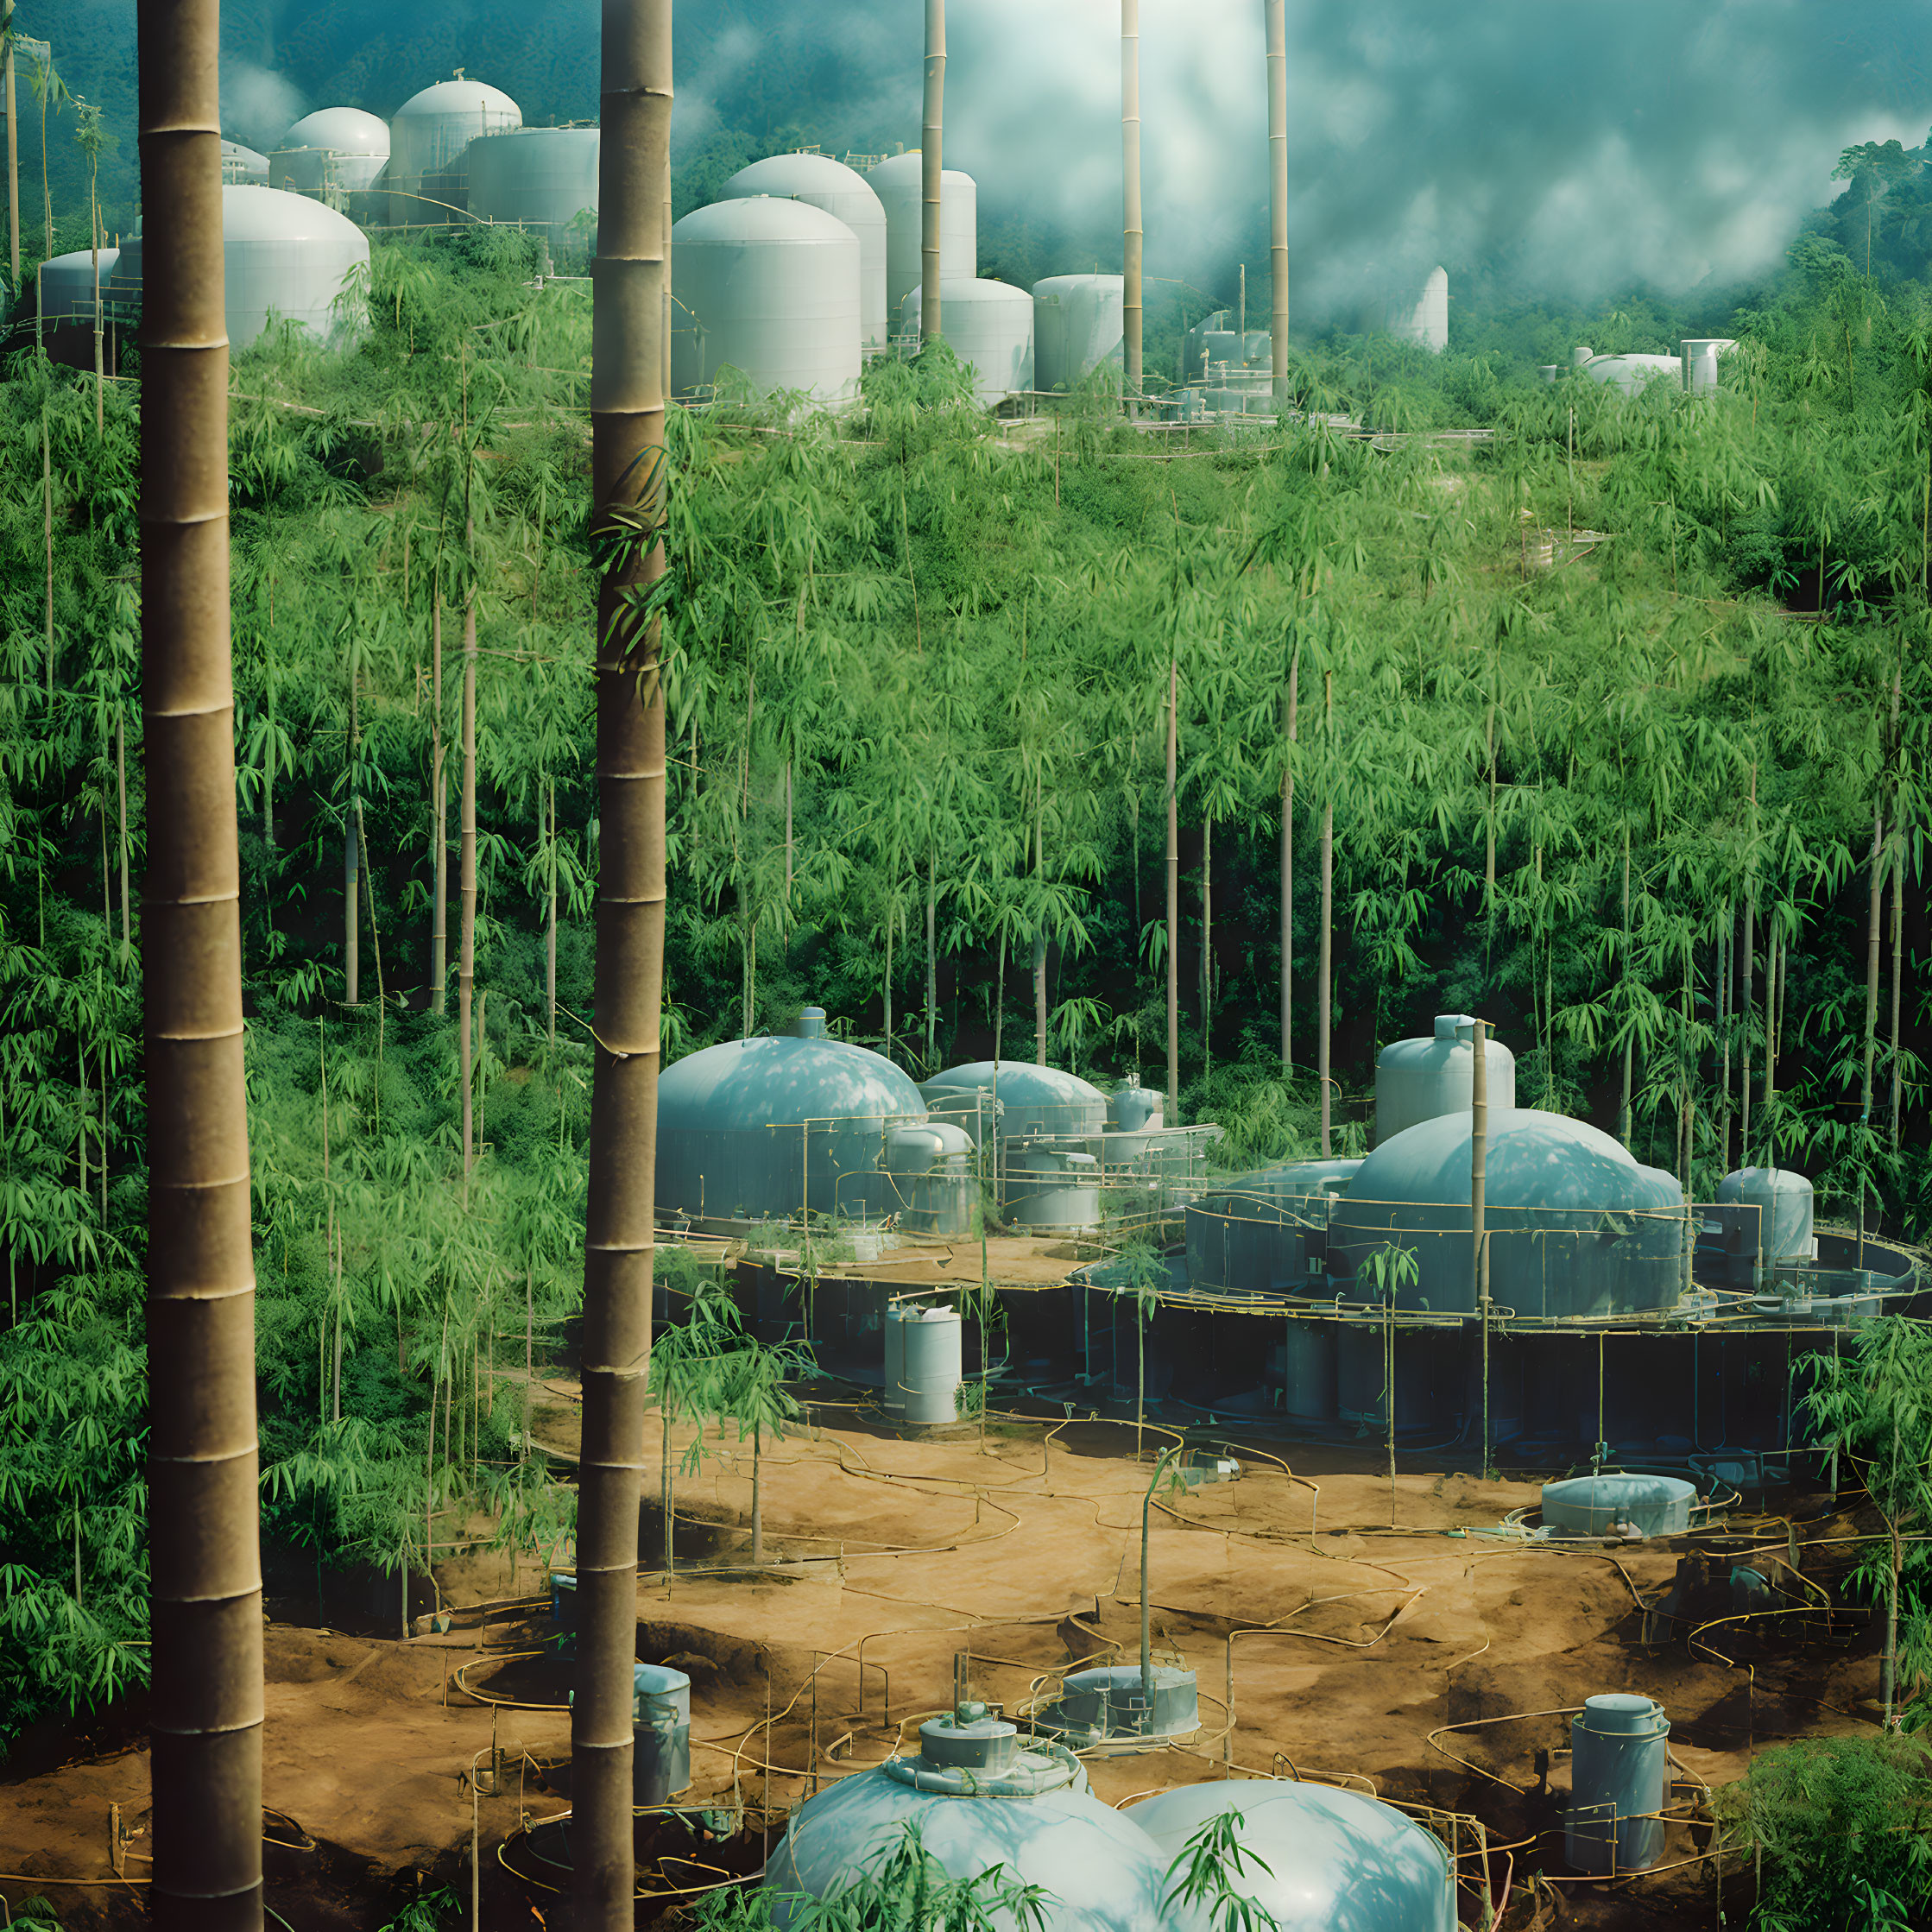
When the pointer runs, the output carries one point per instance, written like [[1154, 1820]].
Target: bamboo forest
[[1215, 752]]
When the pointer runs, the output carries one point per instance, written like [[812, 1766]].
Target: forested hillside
[[1608, 790]]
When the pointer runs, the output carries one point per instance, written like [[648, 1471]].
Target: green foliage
[[430, 1913], [1207, 1873], [1844, 1825]]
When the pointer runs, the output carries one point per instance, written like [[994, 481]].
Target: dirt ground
[[1358, 1622]]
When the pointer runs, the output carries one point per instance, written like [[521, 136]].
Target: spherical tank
[[1036, 1102], [428, 137], [1076, 327], [1576, 1225], [336, 148], [840, 191], [284, 255], [900, 185], [779, 1125], [542, 177], [1419, 1079], [769, 287], [990, 327], [980, 1800], [1327, 1860]]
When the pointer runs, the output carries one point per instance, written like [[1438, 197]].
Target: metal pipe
[[1278, 196], [931, 150], [1132, 237]]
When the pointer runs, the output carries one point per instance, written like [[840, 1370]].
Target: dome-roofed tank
[[541, 177], [1632, 375], [840, 191], [900, 185], [1036, 1102], [427, 140], [1076, 327], [1420, 1079], [1576, 1226], [1336, 1861], [1257, 1233], [242, 165], [282, 255], [989, 325], [334, 151], [788, 1124], [770, 287], [980, 1799], [66, 299], [1781, 1227]]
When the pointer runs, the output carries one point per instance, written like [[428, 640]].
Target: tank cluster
[[1693, 370]]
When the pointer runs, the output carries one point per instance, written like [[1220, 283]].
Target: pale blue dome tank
[[1257, 1234], [1576, 1225], [1337, 1861], [980, 1799], [797, 1122]]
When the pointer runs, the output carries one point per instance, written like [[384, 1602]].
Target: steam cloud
[[1580, 149], [257, 106]]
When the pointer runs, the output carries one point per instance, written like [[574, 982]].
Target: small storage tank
[[330, 154], [1619, 1778], [924, 1363], [1052, 1190], [66, 299], [242, 167], [1036, 1102], [1322, 1859], [1632, 375], [980, 1799], [427, 141], [1596, 1506], [899, 186], [1576, 1226], [1422, 1079], [1110, 1703], [1775, 1212], [769, 287], [1076, 328], [989, 325], [1304, 1367], [1424, 319], [660, 1727], [933, 1179], [283, 255], [543, 178], [1699, 354], [840, 191]]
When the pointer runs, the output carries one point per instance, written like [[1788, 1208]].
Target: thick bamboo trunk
[[627, 486], [205, 1714], [466, 879], [1276, 31], [1288, 869], [932, 151], [1173, 904], [440, 815], [1132, 237]]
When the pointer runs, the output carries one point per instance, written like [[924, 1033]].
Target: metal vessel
[[1620, 1779], [840, 191], [1076, 328], [331, 155], [428, 138], [1422, 1079], [899, 186], [540, 177]]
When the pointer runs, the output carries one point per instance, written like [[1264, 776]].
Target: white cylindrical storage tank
[[1422, 1079], [1632, 375], [840, 191], [66, 284], [989, 325], [1781, 1228], [771, 288], [1619, 1781], [1076, 327], [281, 252], [900, 186], [428, 137], [335, 150], [241, 165], [929, 1346], [541, 177], [1699, 354], [1424, 319]]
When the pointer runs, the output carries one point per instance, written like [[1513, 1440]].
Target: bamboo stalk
[[438, 937], [1133, 236], [550, 928], [351, 885], [12, 150], [205, 1714], [1173, 903], [1325, 970], [1288, 869], [466, 882], [628, 492], [932, 137], [1276, 30]]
